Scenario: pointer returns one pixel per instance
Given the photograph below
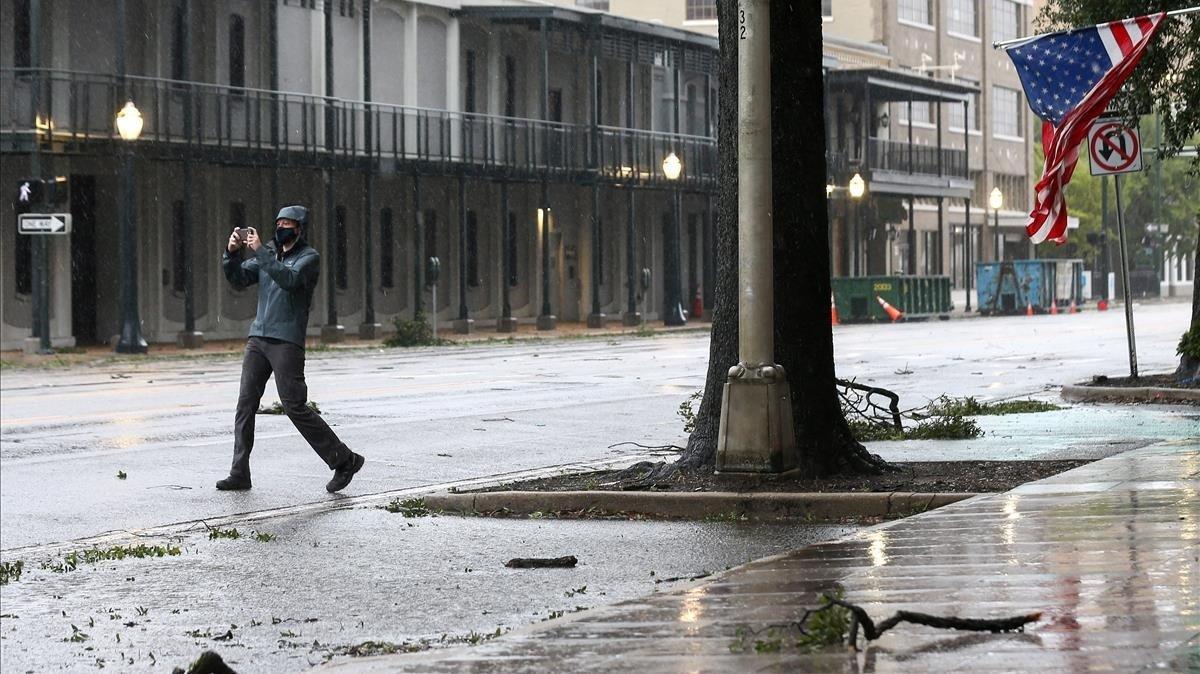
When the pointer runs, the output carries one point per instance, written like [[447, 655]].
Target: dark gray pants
[[264, 356]]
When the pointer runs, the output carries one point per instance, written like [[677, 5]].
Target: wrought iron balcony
[[637, 155], [254, 126], [900, 157]]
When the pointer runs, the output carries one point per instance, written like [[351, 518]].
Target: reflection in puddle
[[692, 606], [1012, 513], [878, 549]]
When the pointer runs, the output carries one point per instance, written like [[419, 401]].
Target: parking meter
[[433, 269], [645, 293]]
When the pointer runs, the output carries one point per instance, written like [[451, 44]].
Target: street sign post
[[44, 223], [1115, 149]]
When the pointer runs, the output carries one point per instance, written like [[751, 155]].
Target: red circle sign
[[1114, 147]]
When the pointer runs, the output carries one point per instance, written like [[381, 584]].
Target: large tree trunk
[[1188, 371], [803, 336], [701, 448]]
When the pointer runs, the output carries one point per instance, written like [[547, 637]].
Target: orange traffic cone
[[1029, 309], [1053, 308], [833, 319], [892, 312], [1074, 308]]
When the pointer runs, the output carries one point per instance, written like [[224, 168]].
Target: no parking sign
[[1114, 148]]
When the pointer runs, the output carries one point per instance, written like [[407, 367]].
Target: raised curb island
[[696, 505]]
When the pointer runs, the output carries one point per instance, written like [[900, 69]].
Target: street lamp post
[[673, 168], [856, 188], [995, 202], [129, 126], [756, 433]]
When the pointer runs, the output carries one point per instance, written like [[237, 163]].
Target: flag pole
[[1004, 44], [1133, 367]]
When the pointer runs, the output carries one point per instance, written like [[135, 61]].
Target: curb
[[1136, 394], [697, 505]]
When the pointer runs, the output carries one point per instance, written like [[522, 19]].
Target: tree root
[[855, 458], [645, 475]]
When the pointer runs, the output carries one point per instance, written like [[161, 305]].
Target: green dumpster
[[917, 297]]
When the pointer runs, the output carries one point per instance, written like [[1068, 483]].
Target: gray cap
[[297, 213]]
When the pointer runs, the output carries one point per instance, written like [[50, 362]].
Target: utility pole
[[756, 433]]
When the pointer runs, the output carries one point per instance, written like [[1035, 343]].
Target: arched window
[[237, 51]]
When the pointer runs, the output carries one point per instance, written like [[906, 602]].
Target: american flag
[[1069, 78]]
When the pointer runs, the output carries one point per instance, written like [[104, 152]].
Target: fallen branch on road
[[871, 631], [542, 562], [657, 447], [837, 622]]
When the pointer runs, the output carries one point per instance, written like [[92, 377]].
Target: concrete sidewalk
[[1108, 552]]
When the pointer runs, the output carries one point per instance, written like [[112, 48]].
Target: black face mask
[[284, 235]]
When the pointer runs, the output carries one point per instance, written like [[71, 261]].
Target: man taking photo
[[286, 272]]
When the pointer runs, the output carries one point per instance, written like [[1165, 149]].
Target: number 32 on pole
[[744, 32]]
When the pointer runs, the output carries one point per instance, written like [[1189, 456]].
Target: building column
[[632, 316], [332, 331], [674, 315], [369, 328], [464, 324], [912, 238], [506, 322], [453, 90], [418, 251], [941, 229], [189, 337], [130, 339], [596, 318], [546, 320]]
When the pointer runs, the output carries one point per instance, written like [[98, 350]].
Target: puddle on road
[[334, 580]]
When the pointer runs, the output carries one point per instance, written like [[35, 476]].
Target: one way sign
[[44, 223]]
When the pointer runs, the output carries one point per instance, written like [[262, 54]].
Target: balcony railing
[[304, 128], [900, 157], [633, 154]]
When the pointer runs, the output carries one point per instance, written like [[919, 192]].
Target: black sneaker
[[343, 475], [234, 483]]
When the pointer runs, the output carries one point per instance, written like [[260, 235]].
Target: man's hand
[[252, 240], [235, 241]]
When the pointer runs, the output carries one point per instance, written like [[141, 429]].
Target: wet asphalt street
[[426, 418]]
